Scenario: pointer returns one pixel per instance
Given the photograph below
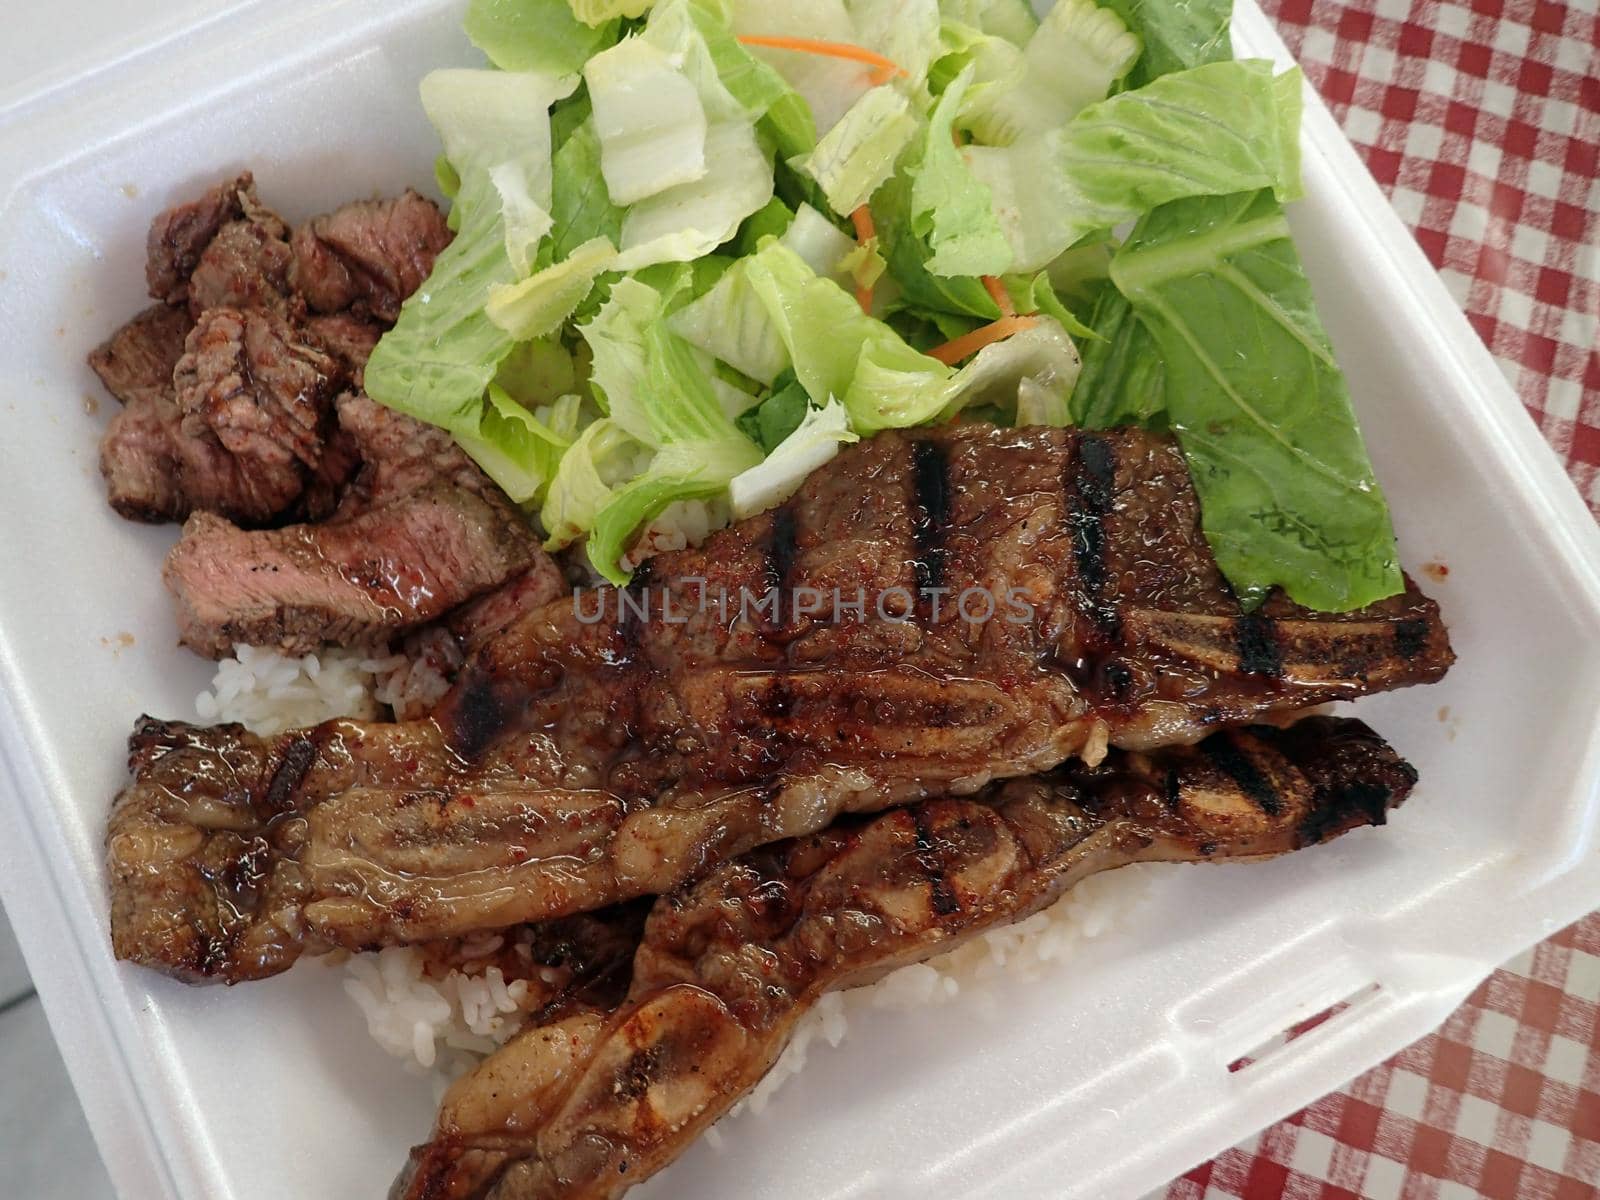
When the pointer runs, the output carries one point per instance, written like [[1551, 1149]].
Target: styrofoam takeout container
[[1105, 1078]]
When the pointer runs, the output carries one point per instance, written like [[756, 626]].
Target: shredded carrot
[[866, 230], [1001, 297], [884, 69], [966, 346]]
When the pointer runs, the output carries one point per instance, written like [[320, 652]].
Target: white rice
[[439, 1025], [268, 692]]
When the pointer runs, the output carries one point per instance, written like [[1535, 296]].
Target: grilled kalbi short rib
[[575, 764], [588, 1105]]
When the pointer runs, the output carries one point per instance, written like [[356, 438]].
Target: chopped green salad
[[702, 244]]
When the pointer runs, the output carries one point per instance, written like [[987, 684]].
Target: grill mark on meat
[[603, 1100], [298, 756], [930, 483], [1091, 496], [1410, 638], [1239, 767], [941, 896], [1257, 640], [478, 715]]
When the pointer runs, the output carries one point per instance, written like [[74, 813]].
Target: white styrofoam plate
[[1105, 1078]]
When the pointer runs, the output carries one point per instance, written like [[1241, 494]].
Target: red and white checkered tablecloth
[[1482, 122]]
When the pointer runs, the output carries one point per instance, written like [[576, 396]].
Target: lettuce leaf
[[950, 207], [839, 352], [678, 148], [1078, 53], [753, 82], [810, 445], [661, 394], [603, 456], [1213, 130], [907, 254], [516, 448], [729, 321], [497, 123], [681, 471], [1177, 34], [535, 35], [437, 361], [540, 304], [648, 115], [1262, 412], [1123, 380], [581, 207], [779, 415], [854, 157]]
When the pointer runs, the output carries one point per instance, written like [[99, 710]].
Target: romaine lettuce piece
[[829, 86], [540, 304], [696, 204], [1262, 412], [1029, 373], [1213, 130], [535, 35], [649, 118], [440, 356], [603, 456], [680, 471], [498, 123], [536, 374], [779, 415], [753, 82], [812, 444], [839, 352], [1177, 34], [517, 449], [730, 323], [950, 206], [1123, 380], [1079, 51], [854, 157], [692, 219], [581, 206], [660, 392]]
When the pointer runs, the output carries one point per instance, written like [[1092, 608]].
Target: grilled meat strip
[[576, 764], [589, 1105]]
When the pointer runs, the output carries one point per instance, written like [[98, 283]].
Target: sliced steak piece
[[348, 583], [139, 459], [400, 455], [369, 255], [587, 1105], [139, 358], [179, 236], [245, 266], [349, 338], [256, 388]]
